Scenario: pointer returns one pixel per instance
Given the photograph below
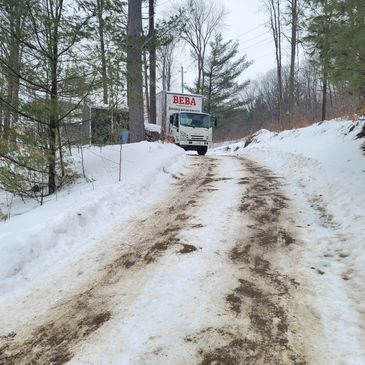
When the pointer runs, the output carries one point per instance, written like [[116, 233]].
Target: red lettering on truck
[[183, 100]]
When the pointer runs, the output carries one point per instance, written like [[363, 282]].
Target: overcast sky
[[244, 22]]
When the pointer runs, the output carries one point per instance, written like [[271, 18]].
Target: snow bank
[[38, 238], [325, 158]]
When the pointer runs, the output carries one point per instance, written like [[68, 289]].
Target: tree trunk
[[100, 8], [15, 79], [152, 50], [145, 70], [293, 46], [1, 119], [324, 96], [62, 164], [163, 74], [55, 15], [134, 70], [200, 76], [210, 91], [12, 79], [7, 111], [53, 128], [274, 10]]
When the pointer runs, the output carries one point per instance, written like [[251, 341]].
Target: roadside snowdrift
[[325, 158], [36, 239]]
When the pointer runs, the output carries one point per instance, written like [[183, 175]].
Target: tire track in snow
[[262, 299], [257, 323], [76, 318]]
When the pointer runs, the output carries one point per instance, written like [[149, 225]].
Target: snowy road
[[206, 276]]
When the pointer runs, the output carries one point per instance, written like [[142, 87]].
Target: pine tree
[[338, 33], [51, 67], [318, 38], [222, 71]]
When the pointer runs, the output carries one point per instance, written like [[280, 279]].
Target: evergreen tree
[[338, 32], [347, 42], [318, 38], [51, 73], [222, 71], [105, 42]]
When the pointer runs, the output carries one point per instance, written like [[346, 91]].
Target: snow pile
[[152, 127], [36, 238]]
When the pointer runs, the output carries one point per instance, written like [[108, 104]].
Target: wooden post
[[120, 161]]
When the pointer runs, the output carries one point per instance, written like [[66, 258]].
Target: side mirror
[[214, 121], [171, 119]]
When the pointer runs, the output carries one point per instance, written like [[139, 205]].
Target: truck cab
[[191, 130], [181, 117]]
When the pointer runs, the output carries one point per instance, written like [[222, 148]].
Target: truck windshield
[[195, 120]]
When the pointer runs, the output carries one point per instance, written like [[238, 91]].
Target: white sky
[[244, 22]]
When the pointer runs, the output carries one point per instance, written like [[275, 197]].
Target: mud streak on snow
[[260, 301], [75, 319], [262, 294]]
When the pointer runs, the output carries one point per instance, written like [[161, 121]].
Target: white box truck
[[181, 116]]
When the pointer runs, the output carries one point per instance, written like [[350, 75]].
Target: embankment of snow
[[325, 158], [37, 239]]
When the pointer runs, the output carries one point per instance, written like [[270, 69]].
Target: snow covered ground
[[36, 239], [324, 169]]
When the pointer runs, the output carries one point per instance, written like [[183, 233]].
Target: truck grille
[[197, 138]]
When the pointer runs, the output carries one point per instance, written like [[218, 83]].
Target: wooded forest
[[63, 62]]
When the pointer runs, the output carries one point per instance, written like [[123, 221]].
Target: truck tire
[[202, 150]]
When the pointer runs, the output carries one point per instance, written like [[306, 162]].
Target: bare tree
[[134, 70], [202, 20], [165, 63], [262, 96], [273, 8]]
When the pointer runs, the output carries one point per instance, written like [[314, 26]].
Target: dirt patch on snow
[[326, 218], [53, 341], [187, 248], [73, 320], [262, 297]]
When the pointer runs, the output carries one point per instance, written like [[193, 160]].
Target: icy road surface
[[209, 275]]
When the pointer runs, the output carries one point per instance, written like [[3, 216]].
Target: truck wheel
[[202, 150]]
